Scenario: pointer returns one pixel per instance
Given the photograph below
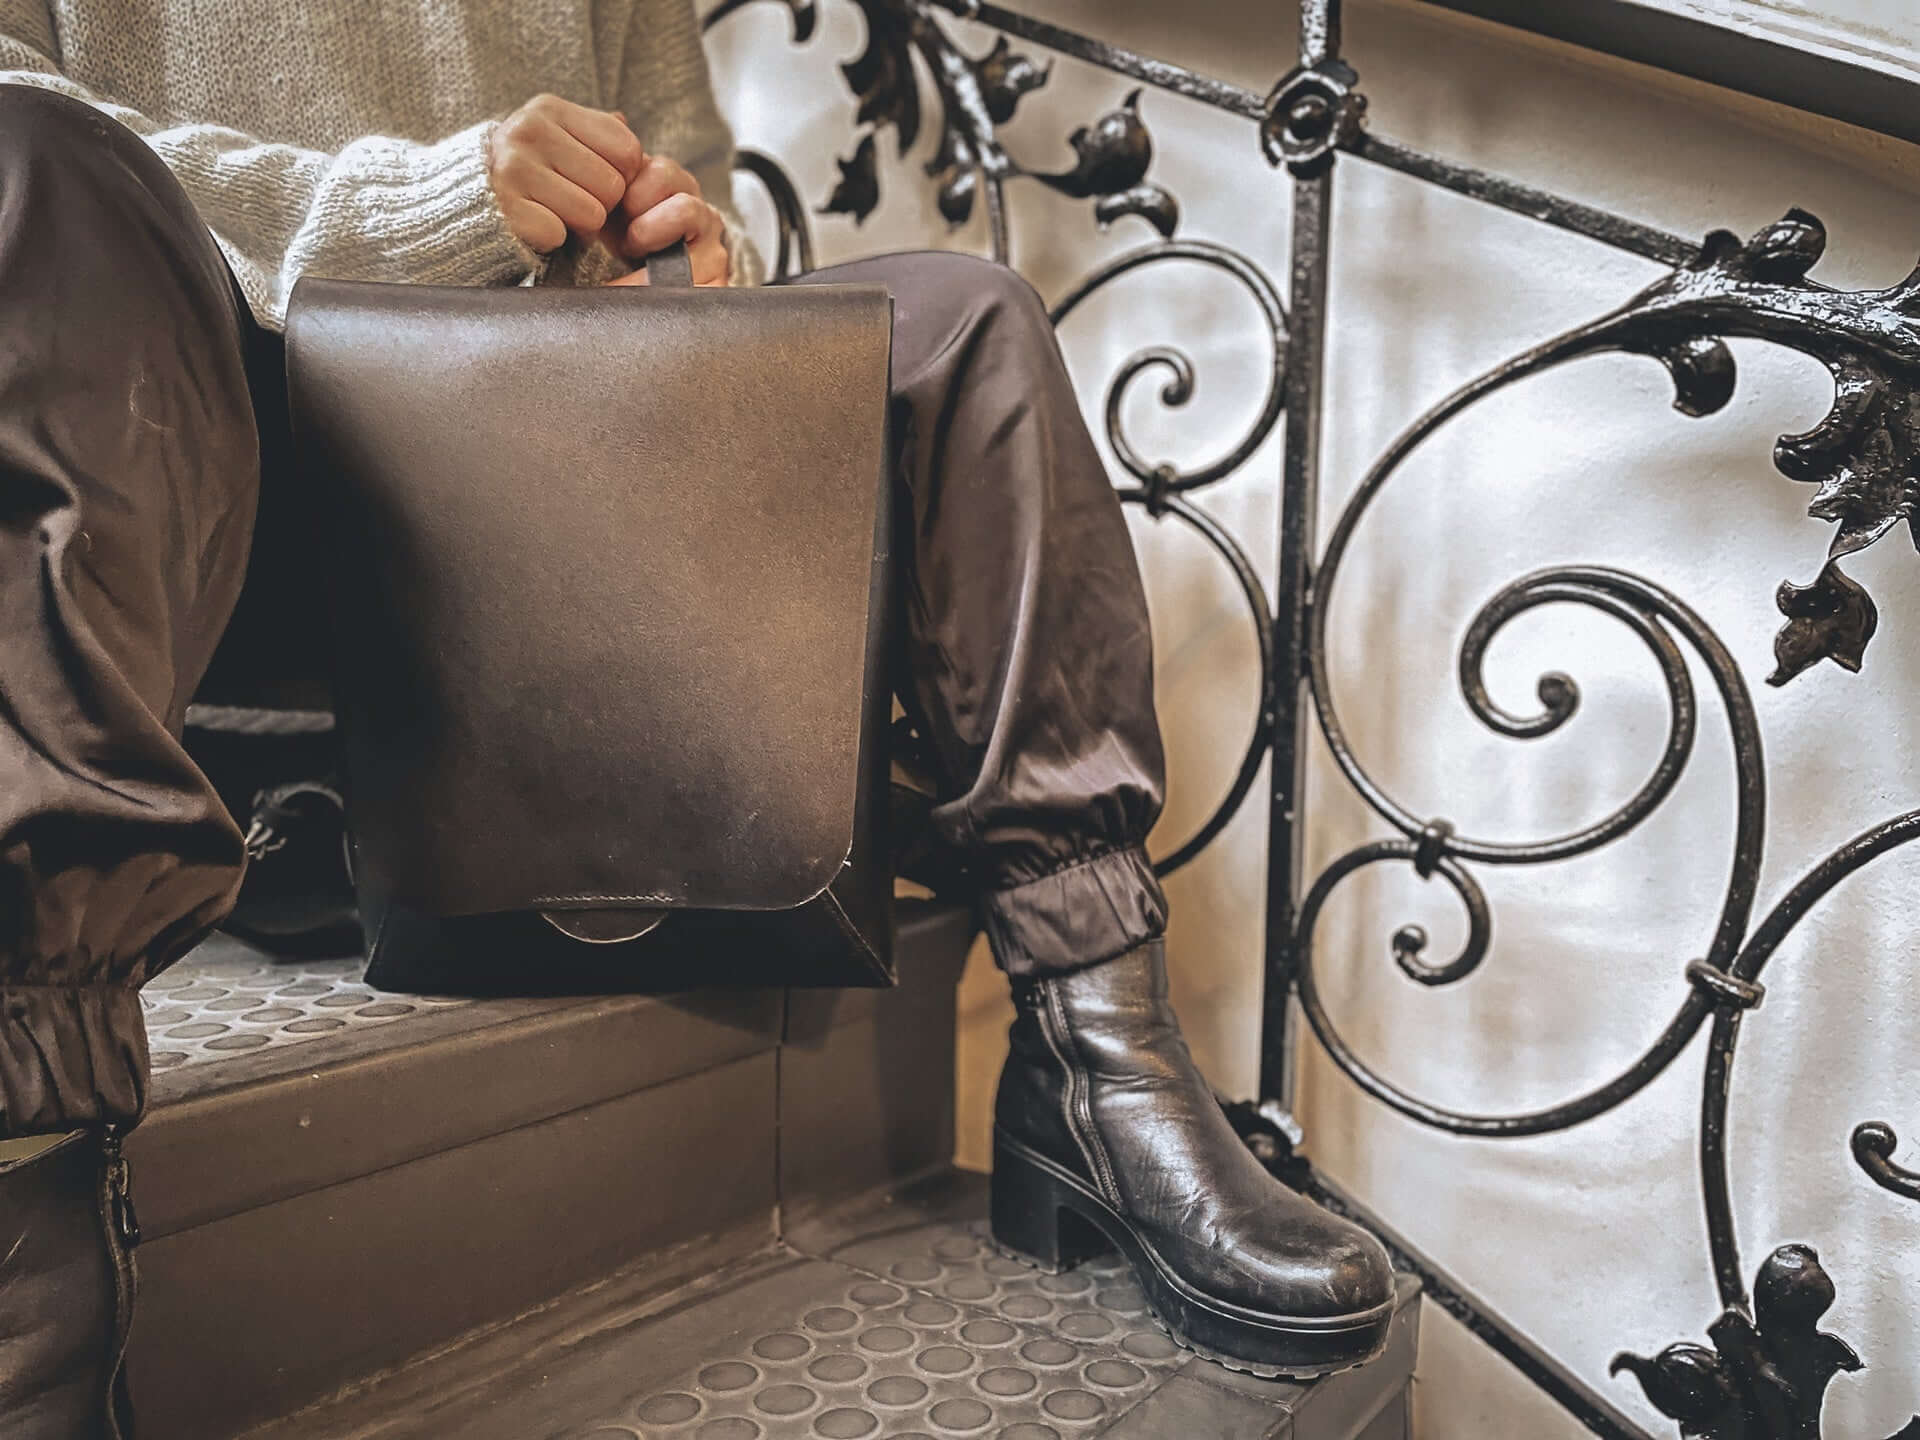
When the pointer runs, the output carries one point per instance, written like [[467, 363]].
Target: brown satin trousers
[[143, 482]]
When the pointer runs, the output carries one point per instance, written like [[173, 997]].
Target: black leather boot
[[66, 1292], [1107, 1137]]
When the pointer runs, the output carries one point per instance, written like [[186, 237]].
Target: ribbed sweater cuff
[[744, 267], [454, 230]]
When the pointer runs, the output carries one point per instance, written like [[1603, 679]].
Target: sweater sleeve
[[666, 92], [379, 209]]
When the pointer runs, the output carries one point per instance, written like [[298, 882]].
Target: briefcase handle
[[670, 267]]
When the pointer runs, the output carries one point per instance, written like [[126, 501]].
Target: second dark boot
[[1106, 1137], [66, 1292]]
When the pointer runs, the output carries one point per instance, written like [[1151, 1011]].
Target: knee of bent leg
[[88, 169], [37, 121], [986, 291], [79, 151]]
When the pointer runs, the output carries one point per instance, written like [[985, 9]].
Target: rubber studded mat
[[882, 1320], [928, 1334], [226, 998], [951, 1340]]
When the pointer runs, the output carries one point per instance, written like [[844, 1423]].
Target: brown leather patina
[[612, 643]]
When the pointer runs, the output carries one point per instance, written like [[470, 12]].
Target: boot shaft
[[66, 1282], [1075, 1034], [1097, 1068]]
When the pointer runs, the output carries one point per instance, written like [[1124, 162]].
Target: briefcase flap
[[605, 564]]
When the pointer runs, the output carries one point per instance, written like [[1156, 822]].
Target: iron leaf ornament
[[881, 77], [1766, 1375], [1831, 619], [1864, 456], [1111, 156], [859, 189], [1005, 75], [975, 95]]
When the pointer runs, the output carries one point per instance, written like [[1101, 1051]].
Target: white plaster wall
[[1593, 1240]]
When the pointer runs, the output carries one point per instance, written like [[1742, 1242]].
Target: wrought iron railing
[[1766, 1372]]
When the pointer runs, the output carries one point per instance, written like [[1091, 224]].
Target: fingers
[[709, 258], [658, 180], [538, 228], [689, 218], [577, 209], [556, 167], [606, 135], [678, 217], [566, 155], [658, 177]]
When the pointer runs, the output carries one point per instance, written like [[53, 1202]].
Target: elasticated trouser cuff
[[1025, 652], [129, 479], [71, 1056], [1078, 915]]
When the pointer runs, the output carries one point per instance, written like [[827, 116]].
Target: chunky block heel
[[1033, 1216]]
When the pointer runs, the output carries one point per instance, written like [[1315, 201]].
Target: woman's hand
[[558, 167], [663, 204]]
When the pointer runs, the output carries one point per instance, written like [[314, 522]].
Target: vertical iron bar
[[1722, 1236], [996, 188], [1299, 487]]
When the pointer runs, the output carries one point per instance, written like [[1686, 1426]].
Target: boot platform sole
[[1046, 1217]]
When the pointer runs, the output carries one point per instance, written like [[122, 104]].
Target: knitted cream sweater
[[348, 138]]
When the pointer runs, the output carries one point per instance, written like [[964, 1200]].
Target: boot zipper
[[126, 1224], [1078, 1097], [122, 1227]]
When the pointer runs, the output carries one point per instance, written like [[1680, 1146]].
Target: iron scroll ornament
[[1161, 488], [1769, 1371], [975, 94]]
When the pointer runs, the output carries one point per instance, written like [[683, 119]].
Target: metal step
[[372, 1217], [332, 1182], [890, 1319]]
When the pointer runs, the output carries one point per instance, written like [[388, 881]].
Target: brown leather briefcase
[[608, 577]]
